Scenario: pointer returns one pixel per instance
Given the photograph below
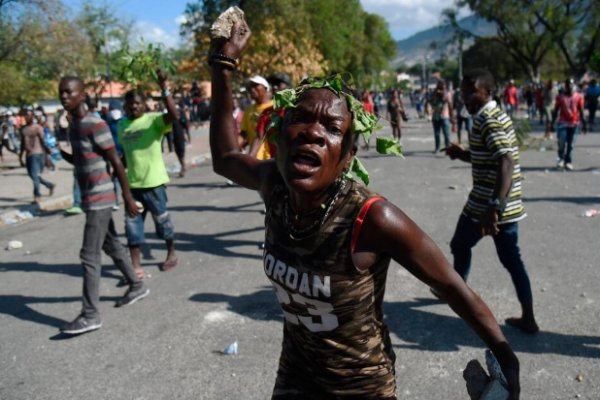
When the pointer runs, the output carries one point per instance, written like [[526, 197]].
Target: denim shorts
[[155, 202]]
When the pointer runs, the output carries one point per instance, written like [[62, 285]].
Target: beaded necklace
[[313, 227]]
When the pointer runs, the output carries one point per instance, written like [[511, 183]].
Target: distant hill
[[413, 49]]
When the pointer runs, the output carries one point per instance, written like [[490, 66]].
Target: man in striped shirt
[[93, 147], [494, 206]]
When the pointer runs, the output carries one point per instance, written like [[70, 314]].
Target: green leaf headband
[[363, 122]]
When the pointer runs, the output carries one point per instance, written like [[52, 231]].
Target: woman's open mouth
[[305, 162]]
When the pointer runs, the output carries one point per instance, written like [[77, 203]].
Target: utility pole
[[424, 71], [460, 62]]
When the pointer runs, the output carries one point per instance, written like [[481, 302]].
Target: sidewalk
[[17, 193]]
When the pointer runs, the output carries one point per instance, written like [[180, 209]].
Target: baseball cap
[[259, 80], [115, 114]]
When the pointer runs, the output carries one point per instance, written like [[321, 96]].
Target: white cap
[[116, 114], [259, 80]]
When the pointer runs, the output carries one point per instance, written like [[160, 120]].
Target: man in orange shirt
[[569, 108], [511, 95]]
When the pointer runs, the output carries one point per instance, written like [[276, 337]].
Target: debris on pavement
[[231, 349], [12, 218], [592, 212], [14, 244]]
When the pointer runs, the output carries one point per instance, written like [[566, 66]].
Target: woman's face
[[310, 150]]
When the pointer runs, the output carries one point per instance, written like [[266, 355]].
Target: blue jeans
[[467, 235], [468, 122], [155, 201], [35, 166], [566, 142], [76, 192], [441, 125]]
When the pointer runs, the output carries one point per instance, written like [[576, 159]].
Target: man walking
[[494, 206], [92, 146], [511, 99], [34, 148], [140, 134], [569, 108]]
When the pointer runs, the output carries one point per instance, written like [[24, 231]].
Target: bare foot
[[169, 264], [526, 326]]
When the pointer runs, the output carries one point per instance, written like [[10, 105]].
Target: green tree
[[575, 29], [298, 37], [486, 49], [107, 35], [524, 37], [37, 45], [376, 58], [458, 35], [595, 62]]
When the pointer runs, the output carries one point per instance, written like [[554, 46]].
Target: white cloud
[[406, 17], [152, 33], [181, 19]]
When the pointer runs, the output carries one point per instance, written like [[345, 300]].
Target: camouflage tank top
[[335, 344]]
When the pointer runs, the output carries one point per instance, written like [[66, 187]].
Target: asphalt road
[[169, 345]]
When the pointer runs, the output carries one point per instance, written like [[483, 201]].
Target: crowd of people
[[557, 107], [329, 240]]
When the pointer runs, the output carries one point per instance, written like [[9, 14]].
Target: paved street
[[168, 346]]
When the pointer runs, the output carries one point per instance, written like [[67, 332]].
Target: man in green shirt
[[140, 134]]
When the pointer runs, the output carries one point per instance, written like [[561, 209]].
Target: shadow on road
[[261, 305], [576, 200], [65, 269], [552, 168], [201, 185], [420, 329], [233, 209], [19, 307], [428, 331], [214, 243]]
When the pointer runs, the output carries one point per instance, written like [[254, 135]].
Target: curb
[[27, 213]]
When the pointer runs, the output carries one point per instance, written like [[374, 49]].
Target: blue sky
[[157, 20]]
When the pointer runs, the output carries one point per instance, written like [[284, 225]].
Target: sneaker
[[74, 210], [115, 207], [560, 164], [81, 324], [569, 166], [133, 295]]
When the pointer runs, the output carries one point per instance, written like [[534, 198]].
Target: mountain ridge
[[415, 48]]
